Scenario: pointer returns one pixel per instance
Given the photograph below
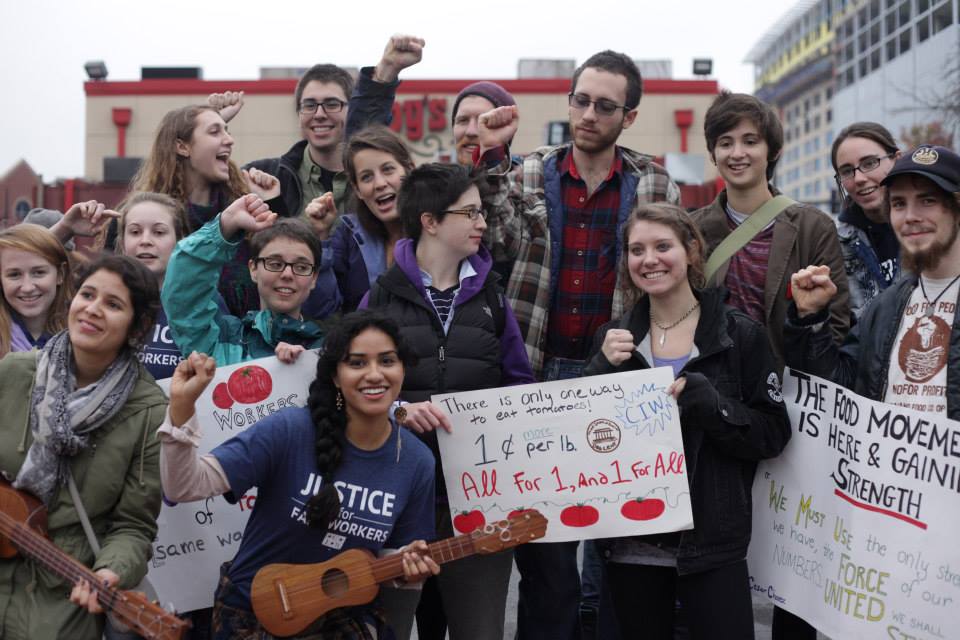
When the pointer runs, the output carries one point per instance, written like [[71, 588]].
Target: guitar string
[[32, 544]]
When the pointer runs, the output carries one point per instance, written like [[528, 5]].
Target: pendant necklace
[[930, 305], [663, 335]]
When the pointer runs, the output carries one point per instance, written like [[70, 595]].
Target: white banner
[[855, 524], [600, 456], [195, 538]]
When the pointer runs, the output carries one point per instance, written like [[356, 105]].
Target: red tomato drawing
[[469, 521], [221, 396], [250, 384], [643, 509], [517, 512], [581, 515]]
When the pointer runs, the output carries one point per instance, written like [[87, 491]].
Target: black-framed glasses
[[276, 265], [329, 105], [602, 106], [868, 164], [474, 213]]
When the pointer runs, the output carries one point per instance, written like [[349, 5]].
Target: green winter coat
[[189, 298], [118, 477]]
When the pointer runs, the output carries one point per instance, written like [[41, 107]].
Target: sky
[[45, 43]]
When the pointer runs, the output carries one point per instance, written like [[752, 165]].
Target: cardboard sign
[[855, 524], [600, 456], [195, 538]]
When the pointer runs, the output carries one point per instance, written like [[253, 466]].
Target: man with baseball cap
[[900, 350]]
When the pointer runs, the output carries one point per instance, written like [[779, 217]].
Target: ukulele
[[288, 598], [23, 523]]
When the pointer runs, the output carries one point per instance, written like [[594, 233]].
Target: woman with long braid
[[316, 468]]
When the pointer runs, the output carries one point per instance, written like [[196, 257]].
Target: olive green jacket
[[118, 478]]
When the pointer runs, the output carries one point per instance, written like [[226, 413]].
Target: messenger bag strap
[[744, 233]]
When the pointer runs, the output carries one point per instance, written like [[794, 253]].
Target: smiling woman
[[298, 456], [84, 392], [34, 273], [376, 162]]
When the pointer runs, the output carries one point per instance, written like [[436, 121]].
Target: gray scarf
[[62, 417]]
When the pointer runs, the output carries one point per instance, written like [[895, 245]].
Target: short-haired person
[[905, 337], [330, 108], [731, 415], [344, 437], [745, 139], [84, 406], [559, 225], [284, 255], [862, 154], [444, 295], [376, 161]]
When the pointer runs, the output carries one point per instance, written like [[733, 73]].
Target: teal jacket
[[197, 323], [118, 477]]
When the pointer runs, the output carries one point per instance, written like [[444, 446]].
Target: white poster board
[[600, 456], [855, 524], [195, 538]]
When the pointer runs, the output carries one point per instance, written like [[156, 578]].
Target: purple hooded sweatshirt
[[514, 364]]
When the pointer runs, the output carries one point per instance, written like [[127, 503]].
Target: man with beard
[[899, 351], [558, 222]]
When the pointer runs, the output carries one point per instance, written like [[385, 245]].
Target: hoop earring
[[339, 400]]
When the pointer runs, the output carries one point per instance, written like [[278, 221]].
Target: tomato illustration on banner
[[643, 509], [250, 384], [579, 515], [469, 521]]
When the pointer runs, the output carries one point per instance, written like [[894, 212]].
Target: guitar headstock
[[522, 527]]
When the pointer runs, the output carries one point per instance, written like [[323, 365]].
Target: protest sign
[[195, 538], [854, 525], [599, 457]]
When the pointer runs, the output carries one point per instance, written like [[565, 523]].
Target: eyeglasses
[[329, 105], [276, 265], [602, 106], [474, 213], [866, 165]]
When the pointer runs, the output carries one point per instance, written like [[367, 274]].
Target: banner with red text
[[855, 524], [195, 538], [600, 456]]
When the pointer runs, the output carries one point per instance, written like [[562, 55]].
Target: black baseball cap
[[938, 164]]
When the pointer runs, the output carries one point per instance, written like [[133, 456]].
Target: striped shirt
[[747, 273]]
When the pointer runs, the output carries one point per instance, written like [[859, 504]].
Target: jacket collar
[[710, 336], [405, 255]]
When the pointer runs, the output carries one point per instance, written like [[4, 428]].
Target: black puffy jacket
[[723, 441]]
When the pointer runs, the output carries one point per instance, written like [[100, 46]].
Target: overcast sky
[[45, 44]]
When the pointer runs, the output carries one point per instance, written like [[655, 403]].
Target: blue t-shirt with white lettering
[[386, 495], [159, 353]]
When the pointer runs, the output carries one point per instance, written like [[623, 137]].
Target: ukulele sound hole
[[335, 583]]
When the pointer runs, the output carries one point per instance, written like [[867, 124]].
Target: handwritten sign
[[600, 456], [855, 524], [195, 538]]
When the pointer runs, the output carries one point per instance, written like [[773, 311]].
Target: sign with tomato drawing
[[600, 457], [854, 524], [195, 538]]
